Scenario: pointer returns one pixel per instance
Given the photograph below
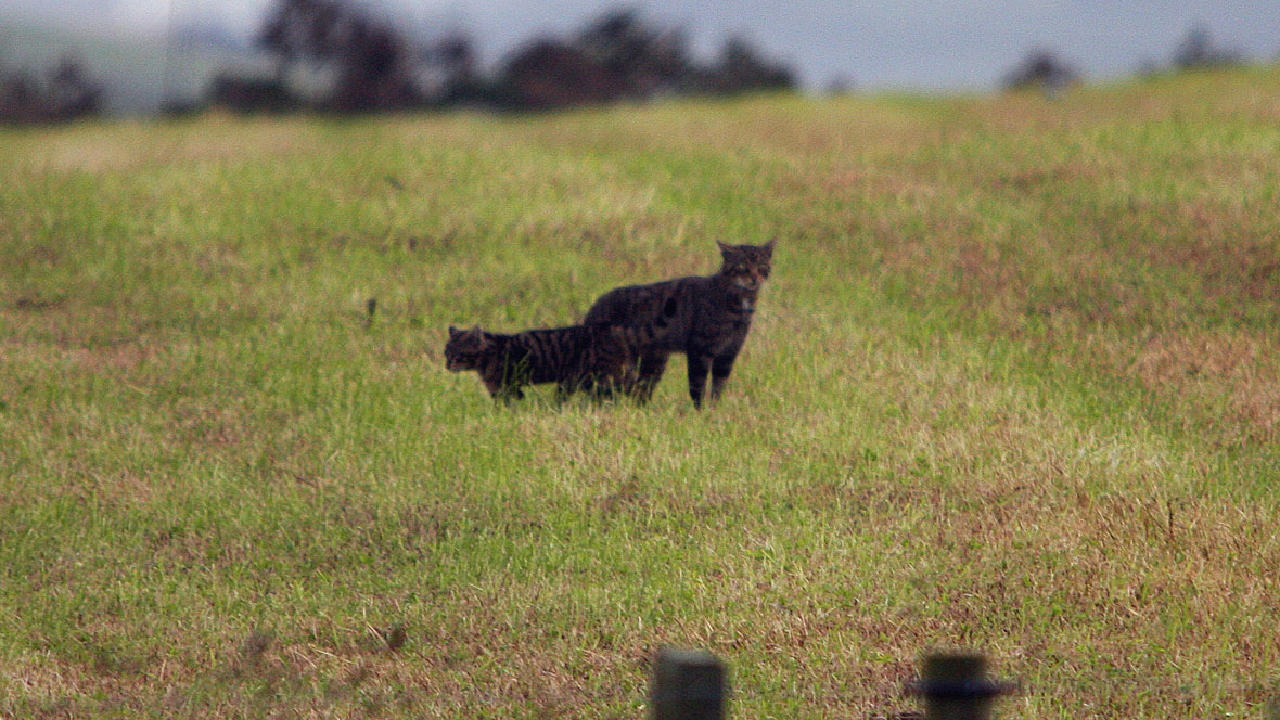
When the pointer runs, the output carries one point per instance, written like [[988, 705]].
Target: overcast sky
[[875, 44]]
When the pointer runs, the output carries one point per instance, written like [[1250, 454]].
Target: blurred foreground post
[[955, 687], [688, 685]]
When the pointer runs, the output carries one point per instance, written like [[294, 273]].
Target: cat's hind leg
[[649, 371]]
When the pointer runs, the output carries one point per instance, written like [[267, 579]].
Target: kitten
[[600, 359], [709, 318]]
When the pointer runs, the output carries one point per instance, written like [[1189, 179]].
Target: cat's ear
[[454, 332], [725, 250], [769, 245]]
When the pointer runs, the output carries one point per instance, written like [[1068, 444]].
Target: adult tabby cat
[[709, 318], [596, 358]]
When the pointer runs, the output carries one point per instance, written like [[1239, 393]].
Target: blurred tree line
[[368, 65], [335, 55], [1049, 72], [65, 92]]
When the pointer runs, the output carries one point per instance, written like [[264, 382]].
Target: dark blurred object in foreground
[[955, 686]]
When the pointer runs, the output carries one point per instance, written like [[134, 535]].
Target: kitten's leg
[[587, 383], [720, 369], [698, 367], [563, 391], [596, 387], [625, 380], [495, 388], [603, 383]]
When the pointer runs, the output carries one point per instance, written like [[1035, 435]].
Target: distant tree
[[375, 69], [551, 74], [297, 30], [643, 60], [1149, 68], [621, 57], [72, 93], [840, 85], [1043, 70], [456, 53], [1198, 51], [251, 94], [68, 93], [21, 101], [371, 62], [455, 67], [742, 68]]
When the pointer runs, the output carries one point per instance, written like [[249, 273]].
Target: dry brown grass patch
[[1179, 359], [1234, 371]]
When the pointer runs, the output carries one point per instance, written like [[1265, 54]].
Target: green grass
[[1014, 386]]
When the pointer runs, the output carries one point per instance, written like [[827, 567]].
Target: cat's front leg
[[698, 367], [720, 369]]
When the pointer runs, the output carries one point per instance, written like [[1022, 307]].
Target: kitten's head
[[746, 266], [465, 349]]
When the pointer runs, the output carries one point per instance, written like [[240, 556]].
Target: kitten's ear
[[769, 245], [454, 332], [725, 250]]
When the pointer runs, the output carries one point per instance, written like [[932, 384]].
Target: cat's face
[[746, 266], [465, 349]]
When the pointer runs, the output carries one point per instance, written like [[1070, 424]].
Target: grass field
[[1014, 386]]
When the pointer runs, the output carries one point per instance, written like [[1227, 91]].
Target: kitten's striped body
[[596, 358]]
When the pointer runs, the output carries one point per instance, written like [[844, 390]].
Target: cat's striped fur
[[709, 318], [601, 359]]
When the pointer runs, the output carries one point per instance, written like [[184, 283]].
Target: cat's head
[[746, 266], [465, 349]]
